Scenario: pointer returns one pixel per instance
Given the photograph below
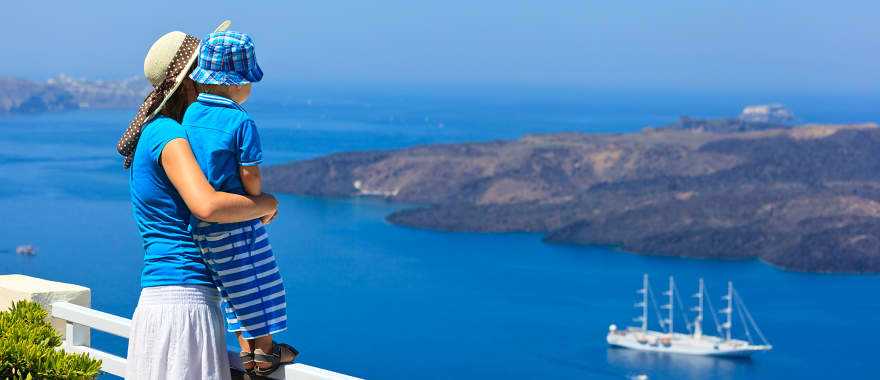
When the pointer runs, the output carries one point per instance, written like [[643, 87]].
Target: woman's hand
[[200, 197]]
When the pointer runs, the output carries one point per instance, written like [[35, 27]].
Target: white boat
[[694, 342], [27, 250]]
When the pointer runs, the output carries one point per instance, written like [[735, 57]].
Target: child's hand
[[268, 218]]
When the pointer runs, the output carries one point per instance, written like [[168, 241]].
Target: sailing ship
[[694, 342]]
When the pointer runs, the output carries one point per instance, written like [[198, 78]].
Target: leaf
[[28, 348]]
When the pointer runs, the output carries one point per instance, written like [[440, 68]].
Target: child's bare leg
[[246, 346], [265, 343]]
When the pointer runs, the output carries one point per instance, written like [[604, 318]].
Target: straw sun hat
[[166, 66]]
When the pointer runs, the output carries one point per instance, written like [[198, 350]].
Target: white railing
[[80, 320]]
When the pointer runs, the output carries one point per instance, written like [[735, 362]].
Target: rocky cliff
[[805, 198]]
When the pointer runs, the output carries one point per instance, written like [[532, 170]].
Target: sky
[[676, 45]]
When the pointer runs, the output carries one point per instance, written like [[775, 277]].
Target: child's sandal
[[247, 358], [274, 359]]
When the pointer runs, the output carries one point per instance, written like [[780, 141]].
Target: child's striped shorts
[[241, 262]]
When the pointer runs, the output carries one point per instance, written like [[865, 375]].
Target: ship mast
[[698, 321], [671, 305], [644, 304], [728, 324]]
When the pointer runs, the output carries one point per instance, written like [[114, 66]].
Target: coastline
[[738, 195]]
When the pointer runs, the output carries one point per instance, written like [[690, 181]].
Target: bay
[[387, 302]]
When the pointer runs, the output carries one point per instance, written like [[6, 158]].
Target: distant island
[[804, 198], [64, 93]]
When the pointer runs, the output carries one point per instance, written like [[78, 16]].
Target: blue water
[[386, 302]]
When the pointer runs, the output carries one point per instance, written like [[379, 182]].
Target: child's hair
[[213, 89]]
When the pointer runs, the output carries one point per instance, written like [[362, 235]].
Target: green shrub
[[28, 348]]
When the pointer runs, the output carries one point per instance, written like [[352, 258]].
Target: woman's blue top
[[171, 257]]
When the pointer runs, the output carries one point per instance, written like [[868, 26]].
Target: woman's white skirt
[[177, 333]]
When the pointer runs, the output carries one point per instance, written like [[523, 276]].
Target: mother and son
[[193, 155]]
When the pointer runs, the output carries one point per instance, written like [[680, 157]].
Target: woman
[[177, 327]]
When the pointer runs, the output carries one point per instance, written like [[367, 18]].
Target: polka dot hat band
[[157, 98]]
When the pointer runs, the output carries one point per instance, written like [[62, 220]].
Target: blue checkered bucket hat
[[227, 58]]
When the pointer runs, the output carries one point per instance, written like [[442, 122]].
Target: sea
[[381, 301]]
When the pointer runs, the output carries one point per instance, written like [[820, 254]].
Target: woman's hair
[[176, 104]]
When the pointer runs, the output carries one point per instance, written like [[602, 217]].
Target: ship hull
[[682, 344]]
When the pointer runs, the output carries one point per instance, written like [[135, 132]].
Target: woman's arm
[[203, 201]]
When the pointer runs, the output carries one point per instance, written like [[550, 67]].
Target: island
[[802, 198], [65, 93]]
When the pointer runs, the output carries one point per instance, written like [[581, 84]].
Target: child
[[227, 147]]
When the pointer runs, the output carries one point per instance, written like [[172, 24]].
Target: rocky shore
[[803, 198]]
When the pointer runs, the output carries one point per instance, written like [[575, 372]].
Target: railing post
[[76, 334], [79, 321]]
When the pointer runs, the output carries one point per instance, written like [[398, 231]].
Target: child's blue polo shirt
[[223, 137]]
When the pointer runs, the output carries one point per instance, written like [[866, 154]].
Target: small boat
[[28, 250], [694, 342]]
